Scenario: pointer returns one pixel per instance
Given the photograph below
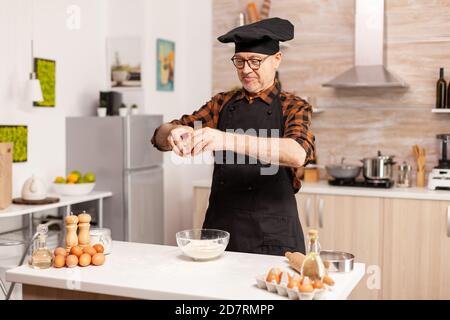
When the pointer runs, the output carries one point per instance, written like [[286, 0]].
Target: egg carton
[[293, 294]]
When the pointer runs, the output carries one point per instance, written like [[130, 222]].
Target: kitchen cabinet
[[404, 242], [416, 249], [349, 224]]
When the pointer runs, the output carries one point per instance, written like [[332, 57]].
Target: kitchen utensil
[[84, 225], [6, 159], [343, 171], [252, 12], [404, 176], [202, 244], [440, 176], [71, 222], [338, 261], [311, 174], [34, 189], [444, 160], [48, 200], [73, 189], [378, 168], [102, 236], [419, 154]]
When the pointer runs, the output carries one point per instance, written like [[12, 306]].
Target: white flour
[[204, 249]]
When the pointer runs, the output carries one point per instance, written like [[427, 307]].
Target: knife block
[[6, 159]]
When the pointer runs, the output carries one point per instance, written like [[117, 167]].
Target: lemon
[[89, 177], [60, 180]]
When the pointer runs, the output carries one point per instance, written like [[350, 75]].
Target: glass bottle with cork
[[313, 266], [42, 256]]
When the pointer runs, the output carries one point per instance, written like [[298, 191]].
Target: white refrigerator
[[118, 150]]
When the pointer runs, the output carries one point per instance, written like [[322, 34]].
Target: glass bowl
[[203, 244]]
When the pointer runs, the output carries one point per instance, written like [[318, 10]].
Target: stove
[[363, 183]]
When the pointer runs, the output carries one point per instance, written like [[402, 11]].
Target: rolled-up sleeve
[[297, 126], [203, 116]]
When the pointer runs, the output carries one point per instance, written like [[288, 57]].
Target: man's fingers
[[198, 148], [175, 148], [198, 134]]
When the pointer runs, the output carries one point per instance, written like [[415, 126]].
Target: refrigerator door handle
[[126, 208]]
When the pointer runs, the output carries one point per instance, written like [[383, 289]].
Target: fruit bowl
[[203, 244], [78, 189]]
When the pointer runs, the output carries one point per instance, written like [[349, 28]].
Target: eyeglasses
[[253, 63]]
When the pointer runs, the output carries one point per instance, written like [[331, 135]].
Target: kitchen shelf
[[127, 89], [441, 111], [316, 110]]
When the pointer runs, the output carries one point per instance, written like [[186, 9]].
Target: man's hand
[[208, 139], [180, 139]]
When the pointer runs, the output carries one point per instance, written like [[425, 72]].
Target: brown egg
[[98, 259], [85, 260], [274, 275], [305, 288], [99, 248], [72, 261], [59, 261], [293, 282], [76, 251], [60, 252], [328, 281], [90, 250], [318, 284]]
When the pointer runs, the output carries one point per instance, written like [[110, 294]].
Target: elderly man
[[251, 130]]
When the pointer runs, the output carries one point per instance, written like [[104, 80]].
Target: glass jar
[[41, 257], [313, 266], [102, 236], [404, 176]]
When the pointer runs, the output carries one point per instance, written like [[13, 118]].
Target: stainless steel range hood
[[369, 70]]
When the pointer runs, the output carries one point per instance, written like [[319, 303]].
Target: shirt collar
[[266, 95]]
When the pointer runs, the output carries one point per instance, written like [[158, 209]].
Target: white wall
[[80, 70], [81, 74], [189, 24]]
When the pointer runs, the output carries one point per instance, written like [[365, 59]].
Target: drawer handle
[[321, 204], [308, 212]]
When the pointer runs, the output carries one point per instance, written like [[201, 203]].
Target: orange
[[72, 178]]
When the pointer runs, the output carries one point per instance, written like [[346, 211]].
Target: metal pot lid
[[380, 157]]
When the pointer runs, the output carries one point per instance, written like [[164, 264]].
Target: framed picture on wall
[[46, 73], [18, 135], [125, 61], [165, 70]]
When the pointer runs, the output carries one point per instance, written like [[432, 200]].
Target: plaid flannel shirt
[[296, 112]]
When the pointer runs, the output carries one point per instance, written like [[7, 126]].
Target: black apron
[[259, 211]]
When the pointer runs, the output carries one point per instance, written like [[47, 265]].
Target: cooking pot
[[343, 171], [378, 168]]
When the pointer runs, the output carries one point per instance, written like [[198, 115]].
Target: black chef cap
[[260, 37]]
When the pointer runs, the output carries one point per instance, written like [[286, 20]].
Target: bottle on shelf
[[448, 96], [42, 256], [441, 91], [313, 266]]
